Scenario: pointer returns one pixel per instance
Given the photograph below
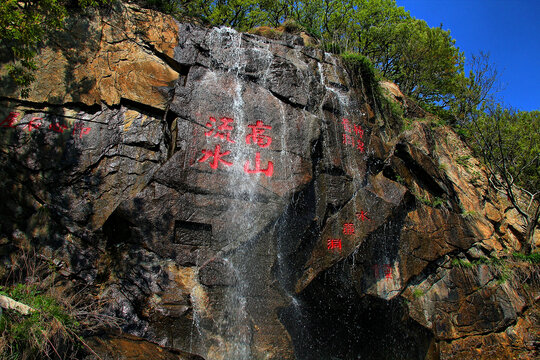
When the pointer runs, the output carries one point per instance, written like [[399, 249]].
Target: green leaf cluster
[[423, 61], [509, 142], [24, 25], [42, 333], [533, 258]]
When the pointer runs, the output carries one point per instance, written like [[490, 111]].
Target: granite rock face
[[236, 197]]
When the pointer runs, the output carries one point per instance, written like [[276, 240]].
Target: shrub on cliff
[[47, 319], [48, 330], [360, 66], [24, 25], [508, 142]]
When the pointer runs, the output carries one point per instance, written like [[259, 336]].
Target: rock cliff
[[235, 197]]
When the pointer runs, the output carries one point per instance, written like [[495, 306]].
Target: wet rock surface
[[237, 197]]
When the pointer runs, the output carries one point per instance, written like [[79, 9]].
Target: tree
[[480, 87], [23, 26], [509, 143], [428, 63]]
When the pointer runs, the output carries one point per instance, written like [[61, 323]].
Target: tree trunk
[[531, 226]]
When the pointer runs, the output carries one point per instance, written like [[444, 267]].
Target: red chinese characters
[[216, 155], [346, 125], [362, 215], [269, 171], [257, 136], [31, 125], [56, 127], [348, 229], [353, 135], [80, 130], [263, 141], [333, 244], [358, 131], [10, 120], [348, 139], [36, 122], [222, 131], [380, 270]]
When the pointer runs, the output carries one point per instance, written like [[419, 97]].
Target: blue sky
[[508, 29]]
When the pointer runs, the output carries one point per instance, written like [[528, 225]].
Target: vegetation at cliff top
[[24, 24]]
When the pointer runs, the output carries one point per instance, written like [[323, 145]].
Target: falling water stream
[[295, 224]]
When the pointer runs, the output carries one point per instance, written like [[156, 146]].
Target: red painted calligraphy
[[217, 156], [333, 244], [80, 130], [360, 145], [257, 136], [353, 139], [348, 139], [385, 269], [222, 131], [346, 125], [10, 120], [269, 171], [56, 127], [358, 131], [362, 215], [30, 126], [348, 229]]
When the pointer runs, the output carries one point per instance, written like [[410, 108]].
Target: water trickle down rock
[[248, 203]]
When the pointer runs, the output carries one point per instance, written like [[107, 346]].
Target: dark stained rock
[[216, 272]]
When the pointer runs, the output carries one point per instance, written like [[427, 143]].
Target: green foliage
[[400, 180], [500, 267], [463, 160], [469, 213], [360, 66], [481, 261], [463, 263], [503, 274], [165, 6], [364, 75], [391, 107], [44, 332], [437, 202], [267, 32], [292, 26], [332, 47], [533, 258], [23, 26], [423, 61], [407, 123], [417, 293]]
